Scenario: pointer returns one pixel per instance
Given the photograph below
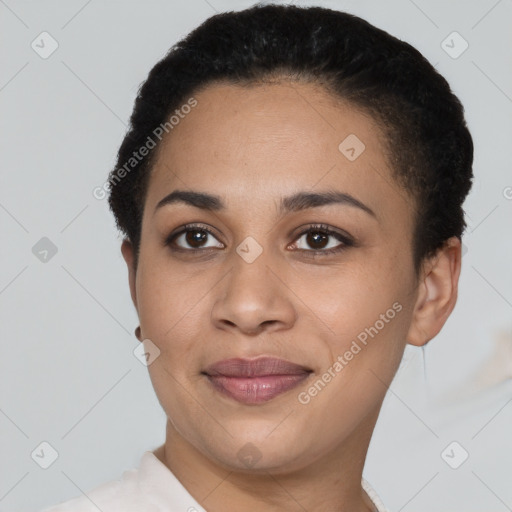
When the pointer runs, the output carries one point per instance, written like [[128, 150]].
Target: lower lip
[[256, 390]]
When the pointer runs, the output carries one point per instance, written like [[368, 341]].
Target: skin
[[253, 146]]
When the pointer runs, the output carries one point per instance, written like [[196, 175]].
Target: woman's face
[[339, 305]]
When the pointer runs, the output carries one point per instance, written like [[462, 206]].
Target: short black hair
[[429, 147]]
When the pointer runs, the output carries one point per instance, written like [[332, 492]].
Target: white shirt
[[152, 487]]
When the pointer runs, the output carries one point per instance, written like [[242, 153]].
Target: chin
[[256, 452]]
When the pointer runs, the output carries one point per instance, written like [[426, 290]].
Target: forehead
[[279, 116], [280, 137]]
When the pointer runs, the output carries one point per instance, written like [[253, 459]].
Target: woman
[[290, 192]]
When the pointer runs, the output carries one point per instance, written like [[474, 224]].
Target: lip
[[255, 381]]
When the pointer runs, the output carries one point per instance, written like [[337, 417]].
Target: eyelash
[[315, 228]]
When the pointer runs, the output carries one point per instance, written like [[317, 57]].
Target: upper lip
[[240, 367]]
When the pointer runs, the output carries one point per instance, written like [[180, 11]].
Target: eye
[[192, 238], [322, 240]]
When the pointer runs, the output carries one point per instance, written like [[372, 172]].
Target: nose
[[254, 297]]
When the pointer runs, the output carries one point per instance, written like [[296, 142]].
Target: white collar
[[164, 488]]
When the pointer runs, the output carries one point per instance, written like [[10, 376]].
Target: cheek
[[348, 300], [364, 356], [368, 315], [169, 306]]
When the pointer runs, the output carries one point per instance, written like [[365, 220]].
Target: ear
[[437, 293], [129, 257]]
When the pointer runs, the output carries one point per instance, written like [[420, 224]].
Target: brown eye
[[193, 238], [316, 239], [322, 240]]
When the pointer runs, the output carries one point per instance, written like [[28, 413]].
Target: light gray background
[[68, 373]]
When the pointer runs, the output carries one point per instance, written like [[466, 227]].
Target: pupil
[[195, 237], [314, 237]]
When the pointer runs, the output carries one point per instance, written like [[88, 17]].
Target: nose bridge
[[252, 295], [250, 273], [251, 278]]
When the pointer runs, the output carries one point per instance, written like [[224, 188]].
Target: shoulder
[[151, 487], [123, 495]]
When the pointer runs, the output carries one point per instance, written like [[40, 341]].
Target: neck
[[331, 482]]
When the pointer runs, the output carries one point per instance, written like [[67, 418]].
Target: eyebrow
[[296, 202]]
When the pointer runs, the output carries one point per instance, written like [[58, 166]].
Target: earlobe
[[437, 294], [129, 257]]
